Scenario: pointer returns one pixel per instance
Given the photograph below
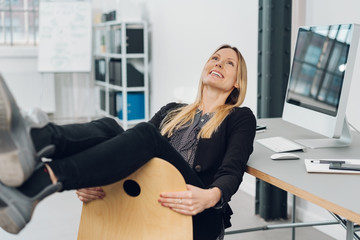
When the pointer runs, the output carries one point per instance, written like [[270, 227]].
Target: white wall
[[185, 34], [18, 66]]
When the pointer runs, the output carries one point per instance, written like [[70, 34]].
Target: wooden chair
[[130, 209]]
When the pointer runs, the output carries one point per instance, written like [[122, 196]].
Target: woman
[[208, 141]]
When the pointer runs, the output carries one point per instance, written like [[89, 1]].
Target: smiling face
[[220, 72]]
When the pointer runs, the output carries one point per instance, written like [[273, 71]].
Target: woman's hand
[[191, 202], [89, 194]]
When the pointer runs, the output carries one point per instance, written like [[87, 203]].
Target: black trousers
[[101, 152]]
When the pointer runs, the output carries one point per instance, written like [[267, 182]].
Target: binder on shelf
[[135, 105], [115, 72], [100, 69], [134, 77], [102, 99], [115, 44], [134, 40], [112, 103]]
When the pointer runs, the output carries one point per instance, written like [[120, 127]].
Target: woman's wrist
[[215, 196]]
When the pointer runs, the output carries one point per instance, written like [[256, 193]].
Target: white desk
[[337, 193]]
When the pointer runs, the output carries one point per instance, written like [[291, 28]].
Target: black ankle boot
[[17, 154], [16, 208], [39, 132], [17, 204]]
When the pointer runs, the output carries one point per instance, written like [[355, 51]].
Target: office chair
[[130, 209]]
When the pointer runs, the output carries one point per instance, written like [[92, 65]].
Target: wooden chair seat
[[130, 209]]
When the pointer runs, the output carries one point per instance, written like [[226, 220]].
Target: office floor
[[244, 207]]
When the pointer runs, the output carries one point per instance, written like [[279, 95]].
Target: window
[[19, 22]]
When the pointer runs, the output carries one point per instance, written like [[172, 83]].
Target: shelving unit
[[122, 70]]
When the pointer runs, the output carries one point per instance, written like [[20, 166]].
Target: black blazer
[[221, 160]]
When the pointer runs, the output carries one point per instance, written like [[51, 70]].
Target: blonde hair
[[183, 115]]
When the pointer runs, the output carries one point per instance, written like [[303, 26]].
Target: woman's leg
[[73, 138], [118, 157]]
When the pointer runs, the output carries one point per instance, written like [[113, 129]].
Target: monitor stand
[[343, 141]]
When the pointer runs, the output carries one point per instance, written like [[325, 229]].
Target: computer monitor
[[322, 69]]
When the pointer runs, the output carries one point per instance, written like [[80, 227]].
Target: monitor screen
[[319, 66], [322, 69]]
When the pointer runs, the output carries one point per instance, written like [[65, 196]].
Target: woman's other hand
[[89, 194], [191, 202]]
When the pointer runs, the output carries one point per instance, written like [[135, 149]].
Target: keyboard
[[280, 144]]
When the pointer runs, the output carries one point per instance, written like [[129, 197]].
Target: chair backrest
[[130, 209]]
